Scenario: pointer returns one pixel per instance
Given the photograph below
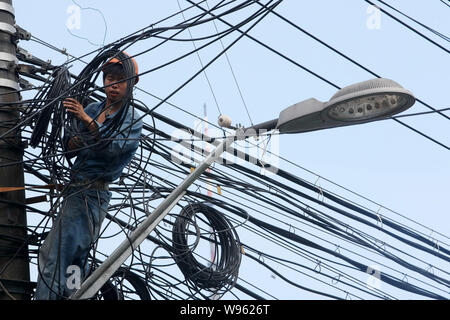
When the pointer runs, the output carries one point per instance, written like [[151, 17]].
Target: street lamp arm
[[265, 126]]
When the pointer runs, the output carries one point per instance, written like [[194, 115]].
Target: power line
[[201, 64], [233, 73], [409, 27], [131, 203], [320, 77], [418, 22]]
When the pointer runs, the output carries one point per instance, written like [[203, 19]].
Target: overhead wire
[[410, 27], [130, 191], [439, 34]]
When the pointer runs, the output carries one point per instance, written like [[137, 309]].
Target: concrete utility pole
[[14, 264]]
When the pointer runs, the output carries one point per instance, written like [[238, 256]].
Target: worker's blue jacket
[[108, 163]]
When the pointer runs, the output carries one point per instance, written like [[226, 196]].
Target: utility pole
[[14, 264]]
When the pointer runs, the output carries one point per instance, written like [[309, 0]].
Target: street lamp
[[358, 103], [362, 102]]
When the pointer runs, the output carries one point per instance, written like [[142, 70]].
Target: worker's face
[[115, 87]]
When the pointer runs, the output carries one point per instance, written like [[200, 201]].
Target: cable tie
[[382, 244], [430, 269], [318, 266], [306, 211], [347, 228], [320, 190], [321, 193], [405, 278], [437, 245], [336, 279], [169, 290], [434, 240], [151, 180], [379, 217], [291, 228]]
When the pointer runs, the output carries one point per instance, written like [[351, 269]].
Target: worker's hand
[[74, 107], [74, 143]]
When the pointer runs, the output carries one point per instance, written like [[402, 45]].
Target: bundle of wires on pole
[[221, 273], [47, 109]]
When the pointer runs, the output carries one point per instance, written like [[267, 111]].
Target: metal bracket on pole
[[25, 56], [101, 275], [24, 84], [9, 84], [8, 28], [7, 7], [21, 33], [4, 56]]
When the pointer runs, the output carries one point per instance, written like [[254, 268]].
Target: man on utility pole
[[14, 264], [86, 198]]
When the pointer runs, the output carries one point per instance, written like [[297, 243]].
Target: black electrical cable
[[328, 81], [301, 240], [53, 112], [129, 186], [352, 238], [409, 27], [439, 34], [223, 271], [296, 26]]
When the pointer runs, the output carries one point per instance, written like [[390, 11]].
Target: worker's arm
[[74, 107], [127, 137]]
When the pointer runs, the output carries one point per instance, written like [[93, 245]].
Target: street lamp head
[[358, 103], [367, 101]]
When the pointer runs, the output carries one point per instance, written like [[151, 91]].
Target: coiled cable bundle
[[223, 270], [48, 103]]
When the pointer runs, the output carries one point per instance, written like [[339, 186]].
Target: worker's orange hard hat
[[116, 60]]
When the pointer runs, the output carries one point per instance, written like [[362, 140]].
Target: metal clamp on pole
[[25, 56], [21, 33], [7, 7], [9, 84], [8, 28], [5, 26]]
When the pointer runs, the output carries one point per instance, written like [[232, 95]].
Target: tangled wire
[[223, 270]]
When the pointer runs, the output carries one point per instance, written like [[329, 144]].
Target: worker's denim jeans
[[68, 243]]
